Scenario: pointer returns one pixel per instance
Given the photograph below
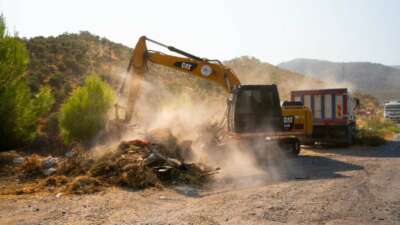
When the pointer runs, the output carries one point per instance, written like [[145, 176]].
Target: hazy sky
[[274, 31]]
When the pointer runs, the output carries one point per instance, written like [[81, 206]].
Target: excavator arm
[[212, 70]]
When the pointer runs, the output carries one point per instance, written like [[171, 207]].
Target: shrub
[[369, 137], [84, 113], [375, 131]]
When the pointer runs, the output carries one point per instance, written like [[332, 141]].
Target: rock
[[58, 195]]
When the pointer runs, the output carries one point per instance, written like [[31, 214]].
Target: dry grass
[[31, 168], [84, 185]]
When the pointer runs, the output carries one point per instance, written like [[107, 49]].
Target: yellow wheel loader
[[254, 112]]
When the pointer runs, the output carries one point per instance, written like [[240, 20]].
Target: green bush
[[374, 131], [84, 113], [369, 137], [19, 108]]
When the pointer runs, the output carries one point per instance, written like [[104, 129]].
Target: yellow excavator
[[254, 112]]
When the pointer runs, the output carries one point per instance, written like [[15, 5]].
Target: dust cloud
[[193, 117]]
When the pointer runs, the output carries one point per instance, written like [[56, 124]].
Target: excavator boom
[[212, 70]]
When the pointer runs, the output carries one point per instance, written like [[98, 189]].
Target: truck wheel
[[296, 147], [350, 135]]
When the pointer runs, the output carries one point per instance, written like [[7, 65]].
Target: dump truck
[[333, 115], [253, 113]]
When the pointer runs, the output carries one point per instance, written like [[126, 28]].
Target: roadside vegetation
[[20, 108], [372, 128], [375, 131]]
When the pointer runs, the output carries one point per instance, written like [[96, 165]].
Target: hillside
[[63, 61], [251, 70], [371, 78]]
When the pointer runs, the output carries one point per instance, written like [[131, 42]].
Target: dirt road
[[323, 186]]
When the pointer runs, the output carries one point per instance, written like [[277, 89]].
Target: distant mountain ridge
[[251, 70], [396, 66], [375, 79]]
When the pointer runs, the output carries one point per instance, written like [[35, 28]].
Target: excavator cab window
[[256, 108]]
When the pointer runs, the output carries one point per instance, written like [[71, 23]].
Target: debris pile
[[136, 164], [8, 160], [31, 167], [84, 185]]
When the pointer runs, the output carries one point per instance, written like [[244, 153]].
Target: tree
[[84, 113], [19, 108]]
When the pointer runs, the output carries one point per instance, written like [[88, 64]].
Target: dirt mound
[[136, 164], [31, 167], [166, 142], [76, 165], [125, 166]]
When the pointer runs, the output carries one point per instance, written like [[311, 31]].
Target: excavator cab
[[255, 109]]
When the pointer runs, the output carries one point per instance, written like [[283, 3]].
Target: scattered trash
[[69, 154], [150, 159], [19, 160], [173, 162], [49, 162], [49, 171], [187, 190], [31, 168]]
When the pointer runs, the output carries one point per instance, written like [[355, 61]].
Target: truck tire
[[350, 135], [295, 147]]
